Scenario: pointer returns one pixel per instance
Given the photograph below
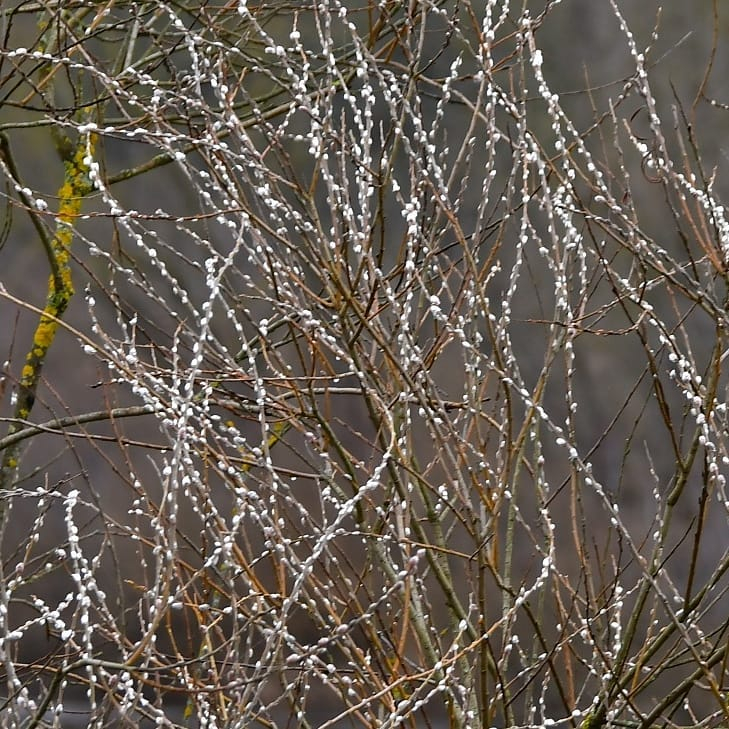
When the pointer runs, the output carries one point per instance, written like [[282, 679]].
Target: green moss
[[594, 720]]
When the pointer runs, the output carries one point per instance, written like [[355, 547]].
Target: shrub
[[357, 376]]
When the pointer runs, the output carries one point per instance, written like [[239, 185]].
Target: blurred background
[[128, 302]]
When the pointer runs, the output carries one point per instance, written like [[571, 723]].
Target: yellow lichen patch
[[44, 335]]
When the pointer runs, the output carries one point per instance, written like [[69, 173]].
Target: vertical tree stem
[[75, 187]]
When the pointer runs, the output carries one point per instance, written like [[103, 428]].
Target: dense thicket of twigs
[[354, 377]]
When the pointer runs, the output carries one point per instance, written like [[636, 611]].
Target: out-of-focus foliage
[[366, 365]]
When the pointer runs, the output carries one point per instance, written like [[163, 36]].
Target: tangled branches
[[396, 392]]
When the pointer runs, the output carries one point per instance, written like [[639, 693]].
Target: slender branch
[[58, 424]]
